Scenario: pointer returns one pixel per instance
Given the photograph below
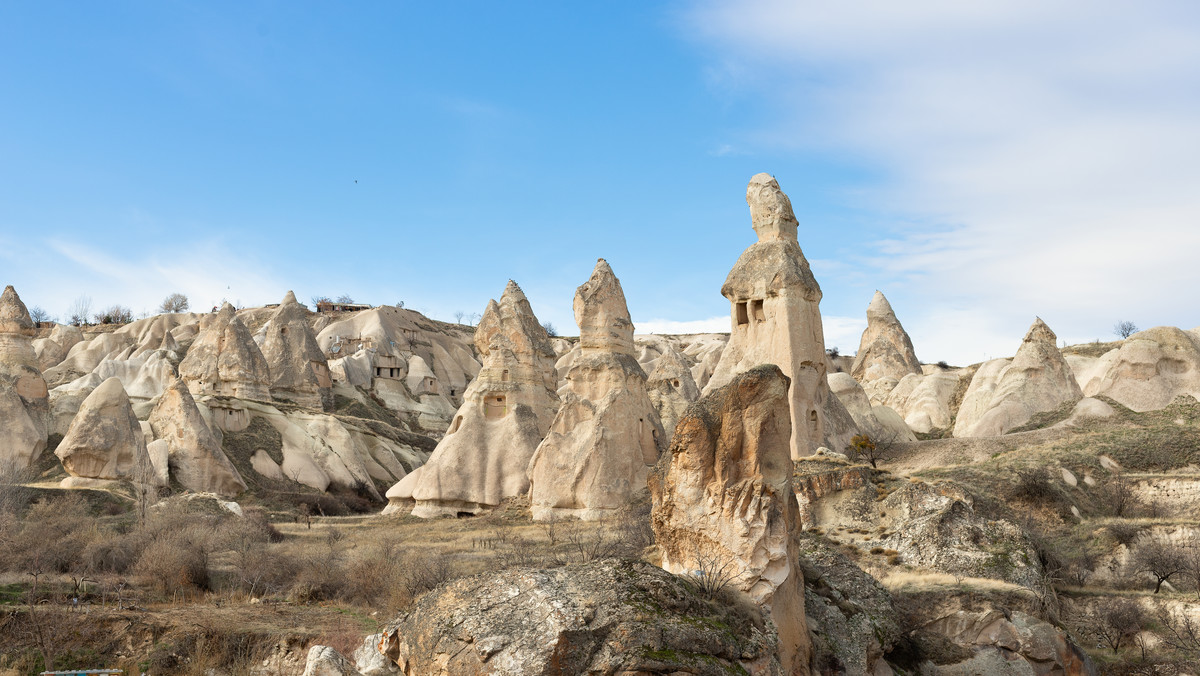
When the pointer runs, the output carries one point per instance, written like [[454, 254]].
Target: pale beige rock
[[105, 440], [224, 360], [1088, 409], [55, 348], [671, 389], [506, 411], [775, 314], [159, 452], [84, 356], [852, 396], [723, 499], [299, 371], [1149, 370], [923, 401], [606, 435], [24, 397], [885, 353], [325, 661], [1006, 393], [196, 459]]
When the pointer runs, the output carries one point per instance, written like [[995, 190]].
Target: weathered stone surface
[[723, 501], [325, 661], [851, 615], [506, 412], [24, 398], [887, 429], [775, 314], [196, 459], [885, 353], [299, 371], [55, 347], [671, 388], [925, 401], [105, 440], [224, 360], [1149, 370], [606, 435], [369, 661], [1005, 394], [603, 617]]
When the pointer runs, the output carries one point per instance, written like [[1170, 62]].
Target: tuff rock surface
[[775, 314], [603, 617], [506, 412], [105, 440], [671, 388], [885, 352], [1006, 393], [606, 435], [24, 398], [1149, 370], [299, 371], [723, 501], [196, 459], [224, 360]]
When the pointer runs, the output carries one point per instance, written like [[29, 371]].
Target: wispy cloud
[[1041, 158]]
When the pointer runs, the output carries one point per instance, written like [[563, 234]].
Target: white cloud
[[1040, 158], [843, 333]]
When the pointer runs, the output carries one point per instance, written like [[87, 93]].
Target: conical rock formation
[[225, 361], [1006, 393], [299, 371], [885, 353], [776, 316], [196, 459], [506, 412], [24, 398], [105, 440], [672, 389], [723, 501], [606, 435]]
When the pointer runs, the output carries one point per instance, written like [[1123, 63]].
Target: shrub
[[176, 302], [175, 563], [116, 314], [1034, 485]]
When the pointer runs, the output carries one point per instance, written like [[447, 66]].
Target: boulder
[[671, 388], [866, 416], [224, 360], [775, 314], [724, 505], [506, 411], [325, 661], [606, 435], [1149, 370], [369, 661], [105, 440], [604, 617], [299, 371], [24, 397], [1006, 393], [885, 353], [196, 459]]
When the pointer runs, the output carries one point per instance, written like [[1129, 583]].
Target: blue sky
[[981, 165]]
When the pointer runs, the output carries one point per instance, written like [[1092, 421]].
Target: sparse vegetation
[[175, 302], [1125, 328], [115, 314]]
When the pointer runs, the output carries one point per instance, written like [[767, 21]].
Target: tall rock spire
[[885, 353], [24, 398]]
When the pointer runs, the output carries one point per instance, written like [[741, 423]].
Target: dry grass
[[913, 581]]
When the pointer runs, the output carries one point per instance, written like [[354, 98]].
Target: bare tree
[[714, 570], [80, 310], [1116, 621], [871, 450], [345, 298], [116, 314], [38, 315], [176, 302], [317, 300], [1161, 560], [550, 330], [458, 316], [1125, 328]]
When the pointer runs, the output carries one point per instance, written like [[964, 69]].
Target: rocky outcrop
[[196, 459], [325, 661], [299, 371], [54, 348], [885, 353], [606, 435], [1149, 370], [671, 388], [723, 501], [506, 411], [1006, 393], [105, 440], [821, 479], [775, 314], [24, 398], [225, 361], [879, 422], [603, 617], [926, 402]]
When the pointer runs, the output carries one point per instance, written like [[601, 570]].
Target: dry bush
[[54, 534], [174, 564], [116, 553], [1116, 498], [1124, 533]]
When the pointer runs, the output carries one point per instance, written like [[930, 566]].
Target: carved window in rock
[[813, 423], [743, 317], [505, 376], [495, 406], [756, 310], [431, 385], [675, 383]]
